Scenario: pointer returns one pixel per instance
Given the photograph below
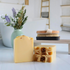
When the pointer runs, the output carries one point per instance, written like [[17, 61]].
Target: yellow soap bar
[[23, 49], [45, 53]]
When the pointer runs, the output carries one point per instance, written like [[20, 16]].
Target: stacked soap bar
[[23, 49], [45, 53], [47, 35]]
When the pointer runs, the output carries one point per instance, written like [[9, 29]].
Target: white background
[[33, 12]]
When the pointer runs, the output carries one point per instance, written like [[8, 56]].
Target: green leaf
[[20, 11], [18, 15], [25, 11], [8, 25], [21, 27], [24, 14], [12, 19], [2, 17], [24, 20], [5, 14]]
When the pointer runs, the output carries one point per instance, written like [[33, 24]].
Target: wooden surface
[[45, 0], [65, 5], [65, 26], [45, 6], [49, 14], [65, 16], [49, 11], [53, 41], [41, 9], [26, 2], [38, 42], [68, 48], [47, 24]]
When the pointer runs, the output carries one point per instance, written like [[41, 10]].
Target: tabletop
[[62, 62]]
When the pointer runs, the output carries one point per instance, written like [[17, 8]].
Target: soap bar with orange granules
[[45, 53]]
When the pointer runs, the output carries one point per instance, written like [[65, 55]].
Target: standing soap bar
[[23, 49]]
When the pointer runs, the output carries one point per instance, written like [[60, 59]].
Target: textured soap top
[[21, 37], [45, 53]]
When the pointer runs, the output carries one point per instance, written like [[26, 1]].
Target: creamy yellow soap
[[23, 49]]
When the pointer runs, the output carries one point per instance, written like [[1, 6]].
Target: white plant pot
[[6, 34]]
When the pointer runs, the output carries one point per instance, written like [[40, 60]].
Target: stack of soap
[[23, 49], [45, 53], [47, 35]]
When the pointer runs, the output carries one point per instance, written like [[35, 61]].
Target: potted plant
[[17, 22]]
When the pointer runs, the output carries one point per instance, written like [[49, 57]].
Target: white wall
[[33, 11], [37, 5], [55, 20], [7, 9]]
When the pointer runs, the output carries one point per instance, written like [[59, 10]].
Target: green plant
[[18, 19]]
